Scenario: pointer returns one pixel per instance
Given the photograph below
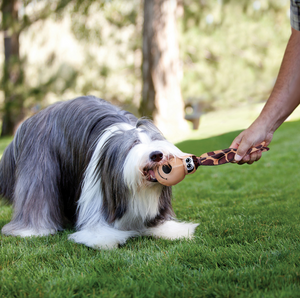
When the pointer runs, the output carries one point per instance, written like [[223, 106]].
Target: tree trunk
[[161, 94], [12, 81]]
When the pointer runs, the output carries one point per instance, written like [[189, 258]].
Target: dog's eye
[[167, 169]]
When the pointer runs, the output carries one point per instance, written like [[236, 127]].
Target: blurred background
[[196, 67]]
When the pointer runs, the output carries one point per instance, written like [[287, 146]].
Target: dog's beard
[[121, 174], [124, 202]]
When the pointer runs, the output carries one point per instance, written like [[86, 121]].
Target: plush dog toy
[[176, 169]]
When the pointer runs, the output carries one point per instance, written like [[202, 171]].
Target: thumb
[[236, 142], [242, 150]]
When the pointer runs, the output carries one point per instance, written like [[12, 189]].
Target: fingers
[[250, 159], [242, 150], [254, 157], [249, 138], [240, 159], [246, 140], [245, 159]]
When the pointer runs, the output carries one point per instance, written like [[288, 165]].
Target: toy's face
[[175, 170]]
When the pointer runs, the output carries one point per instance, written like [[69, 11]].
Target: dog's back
[[86, 113], [41, 171]]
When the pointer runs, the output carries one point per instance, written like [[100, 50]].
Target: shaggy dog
[[87, 162]]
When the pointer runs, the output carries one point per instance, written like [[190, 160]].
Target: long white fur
[[90, 201], [28, 232], [102, 236], [143, 204], [172, 229]]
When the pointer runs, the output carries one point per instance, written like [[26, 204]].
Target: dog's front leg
[[102, 236], [172, 230]]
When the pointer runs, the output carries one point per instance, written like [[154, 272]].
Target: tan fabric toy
[[176, 169]]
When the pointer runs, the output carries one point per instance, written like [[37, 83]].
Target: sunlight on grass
[[224, 121], [247, 243]]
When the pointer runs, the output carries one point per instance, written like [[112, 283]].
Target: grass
[[224, 120], [247, 244]]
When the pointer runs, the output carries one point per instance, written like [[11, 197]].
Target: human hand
[[256, 134]]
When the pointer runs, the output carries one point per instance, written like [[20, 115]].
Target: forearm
[[285, 96]]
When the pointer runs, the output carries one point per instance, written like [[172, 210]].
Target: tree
[[23, 96], [13, 73], [161, 95], [13, 80]]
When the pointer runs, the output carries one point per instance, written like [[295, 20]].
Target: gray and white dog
[[87, 162]]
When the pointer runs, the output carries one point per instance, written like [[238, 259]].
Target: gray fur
[[111, 162], [42, 170]]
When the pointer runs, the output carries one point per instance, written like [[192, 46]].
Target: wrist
[[272, 116], [266, 122]]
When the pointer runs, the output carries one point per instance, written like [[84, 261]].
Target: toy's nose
[[156, 156]]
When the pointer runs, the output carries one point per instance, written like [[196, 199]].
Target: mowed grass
[[247, 243]]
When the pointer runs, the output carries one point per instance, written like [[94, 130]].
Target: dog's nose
[[156, 156]]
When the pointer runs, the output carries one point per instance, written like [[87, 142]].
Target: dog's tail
[[7, 173]]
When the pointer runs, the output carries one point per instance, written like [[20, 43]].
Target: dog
[[89, 163]]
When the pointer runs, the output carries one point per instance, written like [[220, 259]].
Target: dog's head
[[127, 157], [150, 151], [132, 153]]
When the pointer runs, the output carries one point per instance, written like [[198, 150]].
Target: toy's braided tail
[[221, 157]]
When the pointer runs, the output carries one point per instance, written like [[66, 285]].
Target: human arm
[[284, 98]]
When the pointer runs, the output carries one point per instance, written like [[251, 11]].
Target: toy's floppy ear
[[175, 170]]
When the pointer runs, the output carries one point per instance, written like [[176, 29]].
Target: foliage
[[29, 13], [71, 48], [247, 244], [232, 50]]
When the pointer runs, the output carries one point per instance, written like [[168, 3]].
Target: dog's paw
[[172, 230], [10, 230], [102, 238], [93, 240]]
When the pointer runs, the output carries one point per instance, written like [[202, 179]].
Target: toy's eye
[[188, 160], [167, 169], [190, 166]]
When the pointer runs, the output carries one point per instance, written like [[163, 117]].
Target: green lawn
[[247, 244]]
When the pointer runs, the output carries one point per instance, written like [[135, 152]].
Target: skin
[[284, 98]]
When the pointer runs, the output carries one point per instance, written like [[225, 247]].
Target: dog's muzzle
[[155, 158]]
